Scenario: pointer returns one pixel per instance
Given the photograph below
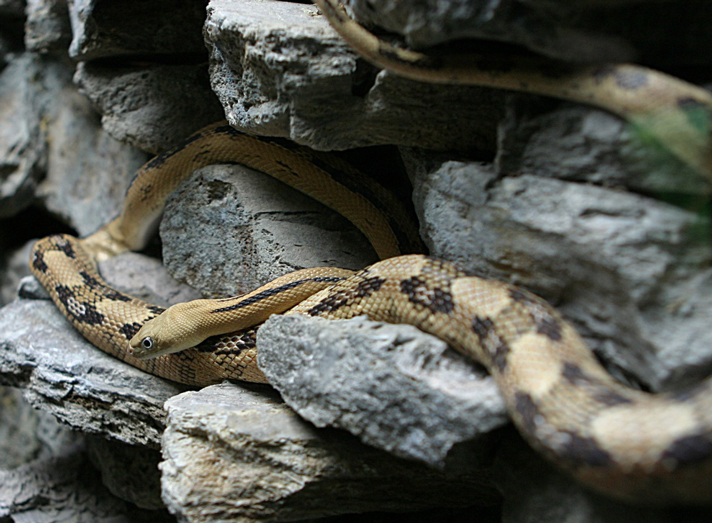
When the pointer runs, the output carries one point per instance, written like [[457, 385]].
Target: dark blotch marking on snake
[[65, 247], [491, 341], [267, 293], [435, 299], [601, 393], [584, 451], [527, 410], [546, 324], [129, 330], [81, 311], [689, 450], [38, 262], [368, 286]]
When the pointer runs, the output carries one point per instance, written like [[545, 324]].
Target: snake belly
[[623, 442]]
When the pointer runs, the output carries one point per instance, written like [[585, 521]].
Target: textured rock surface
[[102, 28], [53, 481], [232, 453], [279, 69], [84, 387], [629, 271], [392, 386], [623, 265], [228, 230], [151, 107], [573, 142], [592, 31]]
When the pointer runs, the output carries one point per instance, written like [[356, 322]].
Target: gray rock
[[47, 26], [279, 69], [65, 488], [234, 453], [103, 28], [51, 479], [589, 146], [392, 386], [593, 31], [88, 171], [15, 267], [18, 429], [82, 386], [129, 472], [150, 107], [229, 229], [629, 271], [20, 136]]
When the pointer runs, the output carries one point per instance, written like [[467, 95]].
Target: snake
[[626, 443]]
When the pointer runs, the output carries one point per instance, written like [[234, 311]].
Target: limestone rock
[[392, 386], [237, 453], [84, 387], [279, 69], [20, 136], [660, 33], [129, 472], [103, 28], [228, 230], [629, 271], [588, 145], [88, 171], [15, 267], [47, 26], [152, 107]]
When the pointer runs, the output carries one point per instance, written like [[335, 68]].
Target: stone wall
[[557, 197]]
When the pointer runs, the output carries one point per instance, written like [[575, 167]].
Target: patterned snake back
[[624, 442]]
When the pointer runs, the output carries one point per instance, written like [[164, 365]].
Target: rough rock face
[[558, 197]]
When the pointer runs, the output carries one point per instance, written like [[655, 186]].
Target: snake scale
[[627, 443]]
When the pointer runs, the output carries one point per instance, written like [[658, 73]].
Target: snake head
[[172, 331]]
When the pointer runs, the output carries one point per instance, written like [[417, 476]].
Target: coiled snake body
[[621, 441]]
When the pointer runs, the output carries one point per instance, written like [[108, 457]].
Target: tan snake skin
[[624, 442]]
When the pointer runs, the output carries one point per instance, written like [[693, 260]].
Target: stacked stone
[[560, 198]]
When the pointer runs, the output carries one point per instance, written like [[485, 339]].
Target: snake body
[[624, 442]]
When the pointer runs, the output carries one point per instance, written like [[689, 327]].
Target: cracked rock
[[629, 271], [237, 453], [661, 33], [279, 69], [392, 386], [229, 229]]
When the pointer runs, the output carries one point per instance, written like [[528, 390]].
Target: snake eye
[[147, 343]]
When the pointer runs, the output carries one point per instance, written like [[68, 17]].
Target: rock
[[88, 171], [152, 107], [279, 69], [393, 386], [18, 429], [237, 453], [592, 31], [50, 479], [129, 472], [15, 267], [589, 146], [20, 136], [229, 229], [629, 271], [47, 26], [82, 386], [102, 28]]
